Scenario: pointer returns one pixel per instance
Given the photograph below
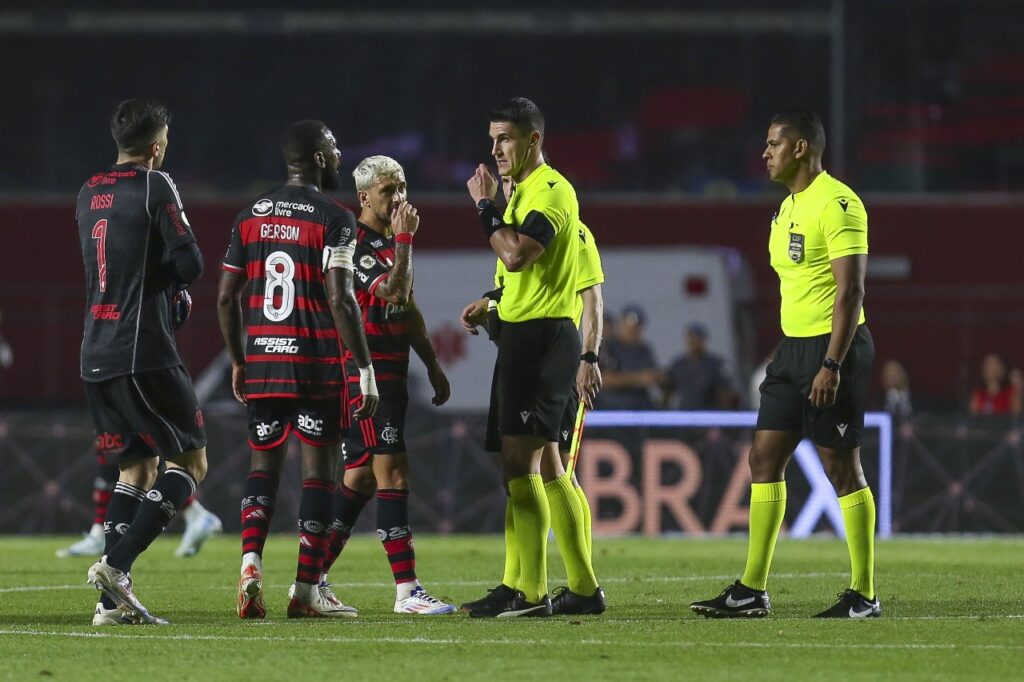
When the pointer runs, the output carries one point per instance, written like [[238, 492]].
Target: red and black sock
[[393, 531], [124, 504], [103, 488], [314, 515], [160, 505], [258, 510], [348, 505]]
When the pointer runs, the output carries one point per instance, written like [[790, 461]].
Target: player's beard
[[331, 179]]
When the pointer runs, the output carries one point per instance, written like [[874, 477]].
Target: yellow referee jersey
[[812, 228], [547, 288], [590, 270]]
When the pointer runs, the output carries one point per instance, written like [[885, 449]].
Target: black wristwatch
[[830, 364], [589, 357]]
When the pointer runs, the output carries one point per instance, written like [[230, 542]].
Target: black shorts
[[382, 434], [138, 416], [567, 430], [317, 422], [536, 376], [787, 385]]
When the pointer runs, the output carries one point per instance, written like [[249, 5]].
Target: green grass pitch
[[954, 609]]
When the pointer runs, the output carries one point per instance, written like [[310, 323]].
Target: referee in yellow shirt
[[539, 348], [570, 522], [817, 382]]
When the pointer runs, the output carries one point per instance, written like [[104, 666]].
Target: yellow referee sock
[[588, 528], [511, 577], [532, 518], [859, 522], [567, 520], [767, 508]]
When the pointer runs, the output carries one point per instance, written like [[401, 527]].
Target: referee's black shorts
[[787, 385], [534, 378], [138, 416]]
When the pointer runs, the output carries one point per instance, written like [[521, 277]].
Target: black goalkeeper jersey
[[282, 242], [129, 219]]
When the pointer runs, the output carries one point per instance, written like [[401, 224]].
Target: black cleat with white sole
[[735, 601], [853, 604], [516, 607]]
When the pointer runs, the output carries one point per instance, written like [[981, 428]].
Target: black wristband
[[589, 357], [831, 365], [490, 217]]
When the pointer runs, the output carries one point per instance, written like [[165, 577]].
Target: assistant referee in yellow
[[817, 382], [539, 348]]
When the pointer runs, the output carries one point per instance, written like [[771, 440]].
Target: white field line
[[456, 583], [432, 641]]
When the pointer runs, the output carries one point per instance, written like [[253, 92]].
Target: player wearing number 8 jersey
[[139, 254], [294, 246]]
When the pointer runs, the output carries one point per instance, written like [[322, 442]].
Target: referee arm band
[[490, 217]]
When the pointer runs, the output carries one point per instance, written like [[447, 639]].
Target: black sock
[[258, 510], [124, 504], [172, 488], [314, 515], [393, 531], [348, 505]]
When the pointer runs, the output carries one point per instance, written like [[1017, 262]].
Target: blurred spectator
[[997, 394], [699, 379], [627, 365], [754, 386], [6, 352], [896, 384]]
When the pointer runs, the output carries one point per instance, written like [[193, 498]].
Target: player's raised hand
[[474, 315], [439, 382], [405, 219], [482, 185], [508, 185], [238, 383]]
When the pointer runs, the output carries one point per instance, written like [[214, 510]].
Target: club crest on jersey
[[367, 262], [796, 247], [263, 207]]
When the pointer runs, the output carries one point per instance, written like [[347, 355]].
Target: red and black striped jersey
[[129, 219], [386, 324], [282, 243]]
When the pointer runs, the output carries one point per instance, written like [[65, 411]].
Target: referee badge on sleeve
[[796, 247]]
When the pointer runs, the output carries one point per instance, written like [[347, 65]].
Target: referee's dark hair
[[302, 140], [806, 124], [135, 124], [522, 113]]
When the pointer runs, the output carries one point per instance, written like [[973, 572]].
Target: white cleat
[[91, 544], [103, 616], [200, 528], [324, 604], [421, 603], [117, 585]]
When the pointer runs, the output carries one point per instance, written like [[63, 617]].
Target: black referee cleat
[[735, 601], [498, 595], [516, 607], [853, 604], [568, 603]]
